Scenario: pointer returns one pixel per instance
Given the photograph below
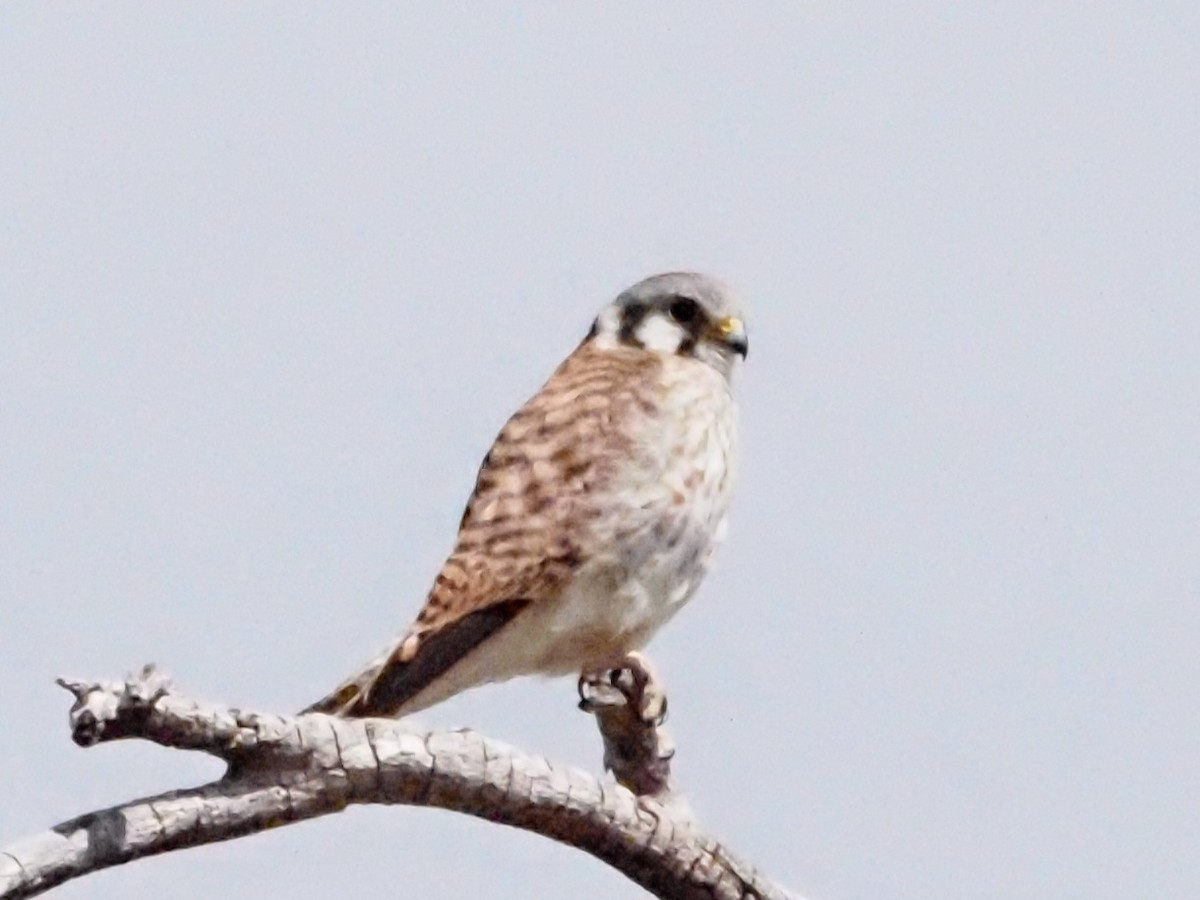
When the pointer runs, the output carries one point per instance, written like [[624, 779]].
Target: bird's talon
[[597, 692], [653, 706]]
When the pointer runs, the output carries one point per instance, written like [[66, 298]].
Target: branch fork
[[284, 769]]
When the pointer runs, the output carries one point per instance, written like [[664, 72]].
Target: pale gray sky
[[273, 275]]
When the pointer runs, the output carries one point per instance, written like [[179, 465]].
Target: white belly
[[615, 604]]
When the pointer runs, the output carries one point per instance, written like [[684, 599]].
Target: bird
[[595, 514]]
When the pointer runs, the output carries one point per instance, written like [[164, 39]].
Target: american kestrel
[[595, 514]]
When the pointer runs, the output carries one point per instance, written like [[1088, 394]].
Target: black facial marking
[[690, 316], [593, 331], [631, 318], [683, 310]]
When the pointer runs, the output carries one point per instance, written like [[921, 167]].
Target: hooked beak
[[732, 333]]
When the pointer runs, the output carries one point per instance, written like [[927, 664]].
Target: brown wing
[[523, 531]]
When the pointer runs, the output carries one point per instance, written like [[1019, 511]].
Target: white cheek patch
[[656, 332]]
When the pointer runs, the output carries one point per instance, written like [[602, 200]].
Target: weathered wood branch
[[284, 769]]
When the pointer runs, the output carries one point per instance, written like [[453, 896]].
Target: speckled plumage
[[595, 514]]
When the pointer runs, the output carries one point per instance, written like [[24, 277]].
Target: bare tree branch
[[284, 769]]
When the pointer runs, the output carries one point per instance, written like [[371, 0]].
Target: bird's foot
[[630, 681], [629, 704]]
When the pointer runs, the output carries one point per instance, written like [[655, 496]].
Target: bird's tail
[[350, 697], [401, 678]]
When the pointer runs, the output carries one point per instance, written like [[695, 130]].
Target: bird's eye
[[683, 310]]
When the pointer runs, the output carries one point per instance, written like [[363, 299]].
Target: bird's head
[[678, 313]]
